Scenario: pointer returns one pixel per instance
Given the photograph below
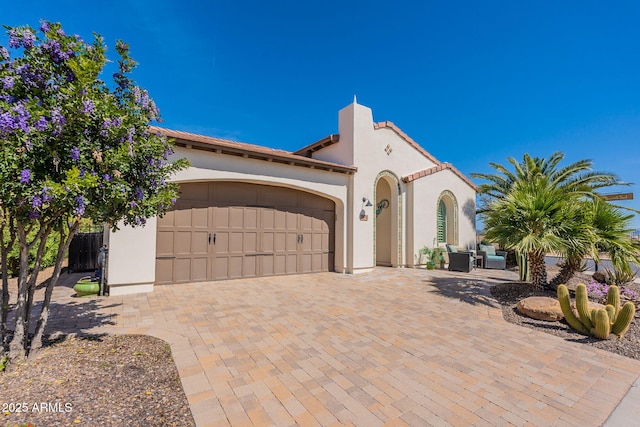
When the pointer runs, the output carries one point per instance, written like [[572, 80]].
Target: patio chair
[[460, 260], [493, 258]]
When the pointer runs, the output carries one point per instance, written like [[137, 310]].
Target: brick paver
[[392, 347]]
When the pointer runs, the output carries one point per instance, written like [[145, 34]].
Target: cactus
[[598, 322], [624, 318], [565, 305], [582, 305], [613, 297], [611, 312], [602, 327]]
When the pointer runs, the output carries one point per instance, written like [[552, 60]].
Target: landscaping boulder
[[600, 276], [541, 308]]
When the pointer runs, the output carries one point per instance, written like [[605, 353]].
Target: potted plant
[[87, 287], [433, 256]]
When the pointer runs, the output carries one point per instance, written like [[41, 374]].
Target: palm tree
[[540, 207]]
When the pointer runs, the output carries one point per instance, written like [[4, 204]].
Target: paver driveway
[[394, 347]]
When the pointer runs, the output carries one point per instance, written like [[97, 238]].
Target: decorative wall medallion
[[388, 149]]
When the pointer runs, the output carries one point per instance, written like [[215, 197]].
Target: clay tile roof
[[318, 145], [396, 129], [224, 146], [436, 169]]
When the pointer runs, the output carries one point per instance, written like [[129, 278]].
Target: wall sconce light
[[365, 203]]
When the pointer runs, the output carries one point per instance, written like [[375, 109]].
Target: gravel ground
[[126, 380], [508, 295]]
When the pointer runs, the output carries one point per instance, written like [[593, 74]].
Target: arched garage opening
[[225, 230]]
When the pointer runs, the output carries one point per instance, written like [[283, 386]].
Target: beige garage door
[[232, 230]]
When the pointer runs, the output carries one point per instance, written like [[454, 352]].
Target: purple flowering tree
[[73, 147]]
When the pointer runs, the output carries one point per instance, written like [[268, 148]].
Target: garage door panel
[[267, 264], [249, 266], [182, 270], [250, 242], [221, 217], [268, 242], [200, 217], [222, 242], [235, 264], [200, 242], [236, 218], [164, 243], [268, 219], [280, 264], [235, 242], [182, 218], [220, 268], [167, 219], [291, 264], [292, 242], [250, 218], [280, 222], [291, 221], [182, 242], [164, 271], [199, 271]]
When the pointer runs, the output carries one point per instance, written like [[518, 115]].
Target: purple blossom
[[21, 120], [87, 106], [4, 54], [36, 202], [79, 205], [75, 154], [41, 123], [173, 200], [44, 26], [33, 214], [46, 197], [14, 38], [7, 82], [133, 204], [138, 193], [28, 38], [57, 117], [107, 177], [28, 144], [25, 176]]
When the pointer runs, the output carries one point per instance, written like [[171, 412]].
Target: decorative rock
[[600, 276], [541, 308]]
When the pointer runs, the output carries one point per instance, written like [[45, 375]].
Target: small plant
[[598, 291], [3, 363], [433, 256], [599, 322]]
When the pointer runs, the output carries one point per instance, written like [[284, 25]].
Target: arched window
[[447, 218], [442, 222]]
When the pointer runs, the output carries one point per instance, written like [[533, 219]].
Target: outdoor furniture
[[493, 258], [460, 260]]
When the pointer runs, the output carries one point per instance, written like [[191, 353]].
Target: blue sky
[[472, 82]]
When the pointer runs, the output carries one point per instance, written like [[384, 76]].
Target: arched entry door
[[227, 230]]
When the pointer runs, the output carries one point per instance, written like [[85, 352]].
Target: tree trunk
[[567, 271], [63, 247], [33, 277], [17, 345], [538, 269]]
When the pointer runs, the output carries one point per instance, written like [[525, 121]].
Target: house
[[367, 196]]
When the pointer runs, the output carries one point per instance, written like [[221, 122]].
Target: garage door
[[232, 230]]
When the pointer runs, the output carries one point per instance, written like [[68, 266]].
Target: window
[[442, 222]]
